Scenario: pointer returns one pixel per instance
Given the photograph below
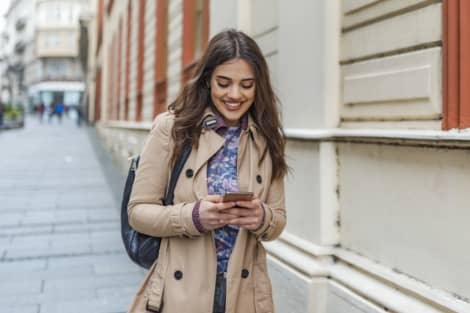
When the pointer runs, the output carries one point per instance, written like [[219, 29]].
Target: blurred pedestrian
[[228, 113], [59, 110], [79, 115], [51, 112], [2, 109], [40, 111]]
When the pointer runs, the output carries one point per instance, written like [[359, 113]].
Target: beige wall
[[414, 200], [399, 58], [376, 199]]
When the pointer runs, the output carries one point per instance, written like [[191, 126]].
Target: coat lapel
[[209, 143]]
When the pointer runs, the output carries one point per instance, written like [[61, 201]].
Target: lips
[[233, 106]]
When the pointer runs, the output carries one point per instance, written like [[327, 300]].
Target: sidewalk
[[60, 245]]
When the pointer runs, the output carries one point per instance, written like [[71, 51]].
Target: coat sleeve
[[146, 211], [275, 212]]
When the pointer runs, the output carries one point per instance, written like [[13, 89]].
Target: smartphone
[[238, 196]]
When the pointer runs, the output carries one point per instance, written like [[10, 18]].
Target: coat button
[[245, 273], [189, 173], [259, 179], [178, 275]]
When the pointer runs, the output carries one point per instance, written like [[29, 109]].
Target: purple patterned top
[[222, 177]]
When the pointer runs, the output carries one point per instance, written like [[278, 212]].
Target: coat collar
[[212, 141], [210, 120]]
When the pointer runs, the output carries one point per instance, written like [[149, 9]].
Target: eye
[[222, 84], [247, 86]]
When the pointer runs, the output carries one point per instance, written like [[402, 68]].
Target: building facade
[[375, 110], [42, 51], [17, 49]]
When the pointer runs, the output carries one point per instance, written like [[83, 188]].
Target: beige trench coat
[[183, 278]]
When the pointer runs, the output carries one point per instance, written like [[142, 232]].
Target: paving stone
[[105, 235], [97, 281], [42, 217], [103, 215], [114, 268], [65, 239], [24, 230], [81, 271], [21, 308], [126, 292], [71, 216], [28, 244], [43, 201], [40, 252], [5, 241], [9, 201], [60, 244], [91, 199], [10, 219], [20, 287], [104, 305], [105, 248], [82, 227], [57, 295], [97, 261], [27, 267]]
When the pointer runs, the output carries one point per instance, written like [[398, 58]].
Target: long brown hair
[[195, 96]]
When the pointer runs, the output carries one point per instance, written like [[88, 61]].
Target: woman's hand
[[249, 214], [212, 212]]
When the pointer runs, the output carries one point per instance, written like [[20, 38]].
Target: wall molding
[[453, 138], [375, 282], [143, 126]]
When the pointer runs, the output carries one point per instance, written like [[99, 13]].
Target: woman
[[211, 255]]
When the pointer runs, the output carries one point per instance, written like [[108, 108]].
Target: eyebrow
[[228, 78]]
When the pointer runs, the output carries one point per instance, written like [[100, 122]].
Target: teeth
[[233, 104]]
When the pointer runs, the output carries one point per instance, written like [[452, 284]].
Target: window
[[198, 29], [161, 53], [456, 47], [195, 33], [52, 41]]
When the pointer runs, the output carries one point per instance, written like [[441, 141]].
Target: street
[[60, 244]]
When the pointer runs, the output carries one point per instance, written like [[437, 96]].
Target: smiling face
[[233, 89]]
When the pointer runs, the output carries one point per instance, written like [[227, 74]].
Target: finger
[[213, 198], [225, 205], [216, 217], [255, 203], [251, 227], [245, 204], [244, 221], [213, 222], [240, 212], [224, 218], [217, 225]]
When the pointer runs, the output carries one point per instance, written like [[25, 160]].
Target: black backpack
[[143, 249]]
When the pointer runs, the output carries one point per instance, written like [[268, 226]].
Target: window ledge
[[144, 126], [404, 137]]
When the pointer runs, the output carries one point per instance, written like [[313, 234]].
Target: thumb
[[213, 198]]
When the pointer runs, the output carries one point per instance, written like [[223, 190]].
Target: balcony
[[57, 44], [20, 24], [20, 46], [17, 67], [60, 77]]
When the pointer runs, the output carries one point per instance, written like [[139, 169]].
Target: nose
[[234, 92]]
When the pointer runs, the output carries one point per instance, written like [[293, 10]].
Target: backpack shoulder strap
[[176, 173]]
